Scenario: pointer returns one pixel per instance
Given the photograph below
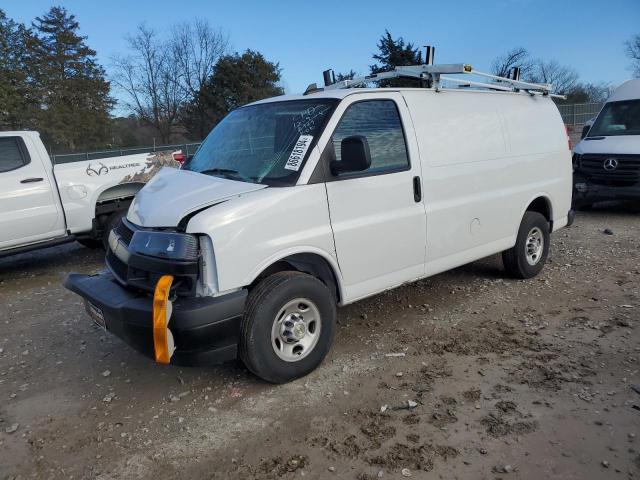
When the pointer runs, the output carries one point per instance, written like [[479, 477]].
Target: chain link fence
[[573, 115], [579, 113], [187, 149]]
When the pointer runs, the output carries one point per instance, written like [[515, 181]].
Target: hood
[[618, 144], [172, 194]]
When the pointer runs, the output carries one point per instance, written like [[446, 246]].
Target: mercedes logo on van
[[610, 164]]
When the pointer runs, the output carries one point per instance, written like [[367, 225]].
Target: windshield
[[266, 143], [618, 118]]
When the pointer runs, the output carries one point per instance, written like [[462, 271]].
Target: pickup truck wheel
[[90, 242], [112, 222], [288, 326], [527, 258]]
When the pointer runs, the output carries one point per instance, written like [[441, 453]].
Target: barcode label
[[298, 153]]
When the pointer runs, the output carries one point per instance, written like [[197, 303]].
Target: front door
[[28, 210], [377, 215]]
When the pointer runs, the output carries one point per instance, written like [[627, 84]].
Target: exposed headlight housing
[[167, 245]]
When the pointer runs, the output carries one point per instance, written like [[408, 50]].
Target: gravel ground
[[465, 375]]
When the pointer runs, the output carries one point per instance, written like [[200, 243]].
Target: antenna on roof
[[329, 77], [429, 54]]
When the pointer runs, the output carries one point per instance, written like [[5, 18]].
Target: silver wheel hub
[[534, 246], [296, 330]]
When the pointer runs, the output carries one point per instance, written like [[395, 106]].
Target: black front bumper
[[205, 329]]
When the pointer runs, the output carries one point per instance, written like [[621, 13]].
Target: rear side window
[[13, 153], [379, 122]]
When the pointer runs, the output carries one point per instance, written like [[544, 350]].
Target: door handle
[[417, 189], [32, 180]]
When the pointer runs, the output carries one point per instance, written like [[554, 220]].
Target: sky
[[309, 37]]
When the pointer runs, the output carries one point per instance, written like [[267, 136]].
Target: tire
[[90, 242], [112, 222], [524, 260], [264, 326]]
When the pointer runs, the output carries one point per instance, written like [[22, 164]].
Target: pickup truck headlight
[[169, 245]]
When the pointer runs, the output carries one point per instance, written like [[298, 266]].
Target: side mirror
[[354, 154]]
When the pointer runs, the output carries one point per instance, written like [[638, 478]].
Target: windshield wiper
[[226, 173]]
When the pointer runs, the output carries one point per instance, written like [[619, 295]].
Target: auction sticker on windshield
[[299, 150]]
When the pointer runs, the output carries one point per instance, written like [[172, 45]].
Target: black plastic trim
[[205, 329]]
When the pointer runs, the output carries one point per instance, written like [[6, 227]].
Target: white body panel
[[64, 202], [482, 157], [181, 192], [486, 156], [29, 212], [253, 231], [374, 215]]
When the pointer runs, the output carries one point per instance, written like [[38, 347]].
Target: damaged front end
[[157, 296]]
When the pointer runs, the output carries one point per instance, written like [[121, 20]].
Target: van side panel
[[485, 157]]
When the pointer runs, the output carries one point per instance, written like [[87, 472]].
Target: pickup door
[[29, 206]]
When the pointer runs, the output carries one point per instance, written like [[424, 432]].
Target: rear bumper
[[205, 329]]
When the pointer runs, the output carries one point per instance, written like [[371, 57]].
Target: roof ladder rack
[[432, 77]]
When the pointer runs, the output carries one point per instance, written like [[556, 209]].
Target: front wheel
[[288, 326], [112, 222], [528, 256]]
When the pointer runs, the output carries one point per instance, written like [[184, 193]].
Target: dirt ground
[[467, 375]]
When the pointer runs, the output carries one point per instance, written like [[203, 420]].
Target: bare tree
[[517, 57], [148, 77], [632, 48], [196, 47], [563, 78]]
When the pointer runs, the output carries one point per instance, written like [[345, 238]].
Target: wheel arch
[[541, 203], [314, 263]]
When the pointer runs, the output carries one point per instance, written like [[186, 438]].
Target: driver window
[[12, 156], [379, 122]]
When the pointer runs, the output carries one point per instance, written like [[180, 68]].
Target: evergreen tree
[[236, 81], [71, 85], [17, 104], [395, 53]]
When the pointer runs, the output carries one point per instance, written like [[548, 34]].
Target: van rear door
[[377, 215]]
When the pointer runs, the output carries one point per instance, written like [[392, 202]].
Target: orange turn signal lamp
[[163, 344]]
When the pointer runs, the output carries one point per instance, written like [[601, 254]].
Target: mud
[[500, 379]]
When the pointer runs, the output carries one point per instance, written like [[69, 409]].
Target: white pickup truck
[[42, 204]]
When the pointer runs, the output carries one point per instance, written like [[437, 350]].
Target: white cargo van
[[296, 204], [607, 160]]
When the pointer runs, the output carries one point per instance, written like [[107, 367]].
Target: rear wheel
[[288, 326], [527, 258], [112, 222]]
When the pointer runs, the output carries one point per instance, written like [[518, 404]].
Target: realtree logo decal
[[102, 169]]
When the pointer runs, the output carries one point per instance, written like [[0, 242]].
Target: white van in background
[[606, 162], [299, 203]]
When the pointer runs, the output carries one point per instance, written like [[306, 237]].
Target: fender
[[281, 255], [547, 199]]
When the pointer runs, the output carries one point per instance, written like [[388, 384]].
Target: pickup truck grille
[[625, 174], [144, 273]]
